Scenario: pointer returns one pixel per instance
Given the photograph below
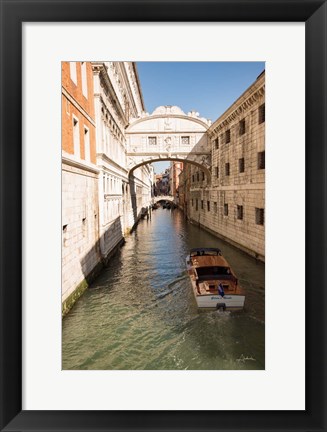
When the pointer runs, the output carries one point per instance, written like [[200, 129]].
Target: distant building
[[176, 167], [162, 183]]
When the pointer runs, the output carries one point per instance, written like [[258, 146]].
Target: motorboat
[[214, 283]]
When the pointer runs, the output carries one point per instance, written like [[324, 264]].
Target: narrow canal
[[140, 313]]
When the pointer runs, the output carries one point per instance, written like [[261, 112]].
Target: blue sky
[[206, 87]]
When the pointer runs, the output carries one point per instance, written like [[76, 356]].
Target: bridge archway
[[169, 134], [159, 198], [201, 167]]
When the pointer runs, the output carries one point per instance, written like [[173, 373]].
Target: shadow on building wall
[[93, 261], [133, 196]]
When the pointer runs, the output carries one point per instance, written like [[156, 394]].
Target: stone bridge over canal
[[168, 134], [162, 198]]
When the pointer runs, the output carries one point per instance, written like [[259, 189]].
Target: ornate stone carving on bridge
[[168, 133]]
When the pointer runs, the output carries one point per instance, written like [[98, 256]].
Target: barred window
[[227, 169], [262, 113], [152, 140], [227, 135], [259, 216], [242, 127], [239, 212], [221, 138], [261, 160], [185, 140], [241, 165], [225, 209]]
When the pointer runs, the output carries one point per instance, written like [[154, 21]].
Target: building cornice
[[77, 106], [162, 132], [240, 106], [163, 116], [71, 161], [139, 84], [105, 158]]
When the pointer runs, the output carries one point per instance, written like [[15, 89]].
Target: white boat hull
[[228, 301], [216, 301]]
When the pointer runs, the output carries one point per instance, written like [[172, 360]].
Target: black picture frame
[[13, 14]]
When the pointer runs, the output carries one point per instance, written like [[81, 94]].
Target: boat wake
[[223, 313], [177, 280]]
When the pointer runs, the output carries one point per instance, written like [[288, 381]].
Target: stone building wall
[[80, 249], [117, 98], [232, 203]]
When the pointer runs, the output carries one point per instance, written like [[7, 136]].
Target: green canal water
[[140, 312]]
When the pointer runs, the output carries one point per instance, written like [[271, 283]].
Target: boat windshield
[[205, 252], [215, 271]]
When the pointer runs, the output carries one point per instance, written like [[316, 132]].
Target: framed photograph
[[39, 388]]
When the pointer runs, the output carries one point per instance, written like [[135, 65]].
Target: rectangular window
[[196, 204], [227, 136], [215, 207], [193, 179], [208, 206], [225, 209], [227, 169], [201, 204], [241, 165], [77, 150], [197, 176], [216, 143], [152, 140], [202, 175], [217, 172], [73, 72], [239, 212], [259, 216], [242, 127], [185, 140], [262, 113], [87, 145], [261, 160], [84, 79]]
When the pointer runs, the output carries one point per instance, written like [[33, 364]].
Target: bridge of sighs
[[168, 134]]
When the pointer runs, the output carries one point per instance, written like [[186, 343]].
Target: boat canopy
[[205, 251]]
